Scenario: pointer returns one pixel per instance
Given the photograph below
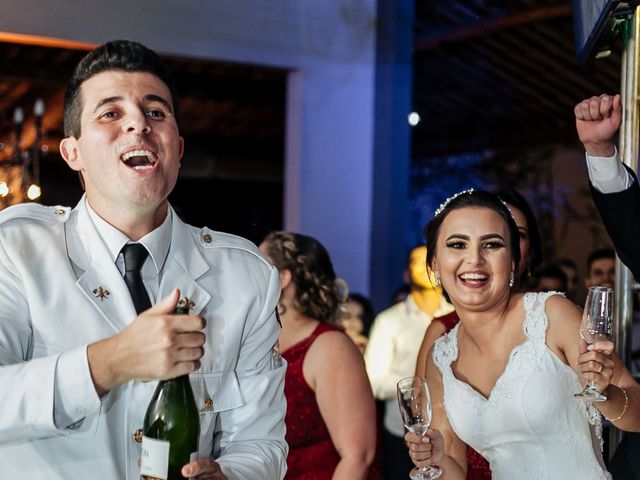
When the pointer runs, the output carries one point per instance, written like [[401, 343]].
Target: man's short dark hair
[[599, 255], [123, 55], [553, 271]]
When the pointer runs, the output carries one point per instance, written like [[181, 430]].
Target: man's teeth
[[473, 276], [138, 157]]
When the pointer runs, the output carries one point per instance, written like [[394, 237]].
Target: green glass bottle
[[171, 428]]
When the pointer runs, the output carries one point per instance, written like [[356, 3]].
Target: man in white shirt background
[[392, 352]]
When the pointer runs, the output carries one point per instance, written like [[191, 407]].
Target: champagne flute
[[415, 409], [597, 320]]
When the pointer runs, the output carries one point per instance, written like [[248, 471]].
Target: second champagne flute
[[597, 320]]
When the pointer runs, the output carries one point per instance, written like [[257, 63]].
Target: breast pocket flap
[[216, 392]]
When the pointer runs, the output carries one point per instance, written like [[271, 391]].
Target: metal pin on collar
[[101, 293]]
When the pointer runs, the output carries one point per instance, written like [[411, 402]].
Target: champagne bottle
[[171, 428]]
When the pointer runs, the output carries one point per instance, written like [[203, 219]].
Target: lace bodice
[[530, 426]]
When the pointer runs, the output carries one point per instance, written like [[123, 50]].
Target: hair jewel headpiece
[[444, 204], [506, 205]]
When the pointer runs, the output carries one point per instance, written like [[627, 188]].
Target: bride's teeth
[[473, 276]]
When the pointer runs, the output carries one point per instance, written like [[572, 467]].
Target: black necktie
[[134, 256]]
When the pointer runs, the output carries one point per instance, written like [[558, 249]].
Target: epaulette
[[206, 237], [35, 211]]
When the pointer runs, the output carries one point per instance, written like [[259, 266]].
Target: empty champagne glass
[[415, 409], [597, 320]]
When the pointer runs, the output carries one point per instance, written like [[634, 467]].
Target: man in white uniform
[[77, 362]]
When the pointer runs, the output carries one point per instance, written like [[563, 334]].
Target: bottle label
[[154, 458]]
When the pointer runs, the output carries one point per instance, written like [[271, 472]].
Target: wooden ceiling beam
[[540, 83], [469, 32], [10, 37]]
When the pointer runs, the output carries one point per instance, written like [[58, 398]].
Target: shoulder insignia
[[206, 237], [35, 211]]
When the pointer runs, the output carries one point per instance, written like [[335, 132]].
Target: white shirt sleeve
[[379, 357], [607, 174], [43, 393]]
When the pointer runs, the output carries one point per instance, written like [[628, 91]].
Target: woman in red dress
[[330, 418]]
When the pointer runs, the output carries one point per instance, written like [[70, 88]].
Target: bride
[[502, 381]]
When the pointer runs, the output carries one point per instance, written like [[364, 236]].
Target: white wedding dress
[[531, 426]]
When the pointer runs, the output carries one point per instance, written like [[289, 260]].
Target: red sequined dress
[[312, 455], [477, 466]]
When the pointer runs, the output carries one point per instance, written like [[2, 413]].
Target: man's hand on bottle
[[157, 345], [203, 469]]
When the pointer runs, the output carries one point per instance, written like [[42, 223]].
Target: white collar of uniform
[[157, 242]]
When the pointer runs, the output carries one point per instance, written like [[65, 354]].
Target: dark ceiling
[[499, 73], [487, 74], [230, 109]]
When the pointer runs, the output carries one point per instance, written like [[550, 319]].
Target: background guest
[[400, 294], [613, 186], [616, 194], [601, 268], [357, 319], [528, 233], [330, 406], [570, 269], [550, 278], [392, 351]]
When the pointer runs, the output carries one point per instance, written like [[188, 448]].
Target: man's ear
[[285, 278], [70, 153]]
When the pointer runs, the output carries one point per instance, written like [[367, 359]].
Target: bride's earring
[[436, 278], [511, 280]]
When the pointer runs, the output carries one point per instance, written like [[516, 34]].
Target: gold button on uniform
[[208, 404], [137, 435], [59, 212], [207, 238]]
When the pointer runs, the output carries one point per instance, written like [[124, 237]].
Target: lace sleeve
[[445, 350], [537, 322]]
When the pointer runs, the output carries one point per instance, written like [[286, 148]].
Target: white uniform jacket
[[59, 292]]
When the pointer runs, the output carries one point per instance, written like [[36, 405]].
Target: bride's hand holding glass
[[425, 445], [595, 363], [596, 330], [425, 450]]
